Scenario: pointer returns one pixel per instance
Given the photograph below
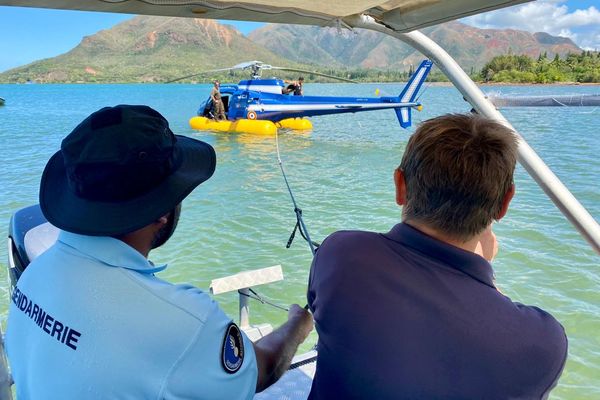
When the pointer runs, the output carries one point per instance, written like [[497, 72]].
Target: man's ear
[[162, 220], [400, 187], [506, 201]]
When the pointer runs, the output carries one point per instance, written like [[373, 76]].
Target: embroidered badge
[[232, 352]]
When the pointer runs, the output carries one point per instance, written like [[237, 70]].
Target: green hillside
[[147, 49]]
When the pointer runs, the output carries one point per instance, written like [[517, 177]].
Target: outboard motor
[[29, 235]]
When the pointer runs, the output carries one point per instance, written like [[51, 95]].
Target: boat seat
[[39, 239], [29, 234]]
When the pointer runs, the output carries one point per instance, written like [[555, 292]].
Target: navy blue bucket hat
[[119, 170]]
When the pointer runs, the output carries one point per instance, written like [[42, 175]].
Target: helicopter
[[258, 105]]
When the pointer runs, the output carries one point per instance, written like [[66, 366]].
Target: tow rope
[[300, 226], [261, 299]]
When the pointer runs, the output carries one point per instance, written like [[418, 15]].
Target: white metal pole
[[244, 308], [533, 164]]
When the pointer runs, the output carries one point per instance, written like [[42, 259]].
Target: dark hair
[[301, 78], [457, 170]]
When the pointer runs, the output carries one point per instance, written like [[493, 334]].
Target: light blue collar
[[109, 251]]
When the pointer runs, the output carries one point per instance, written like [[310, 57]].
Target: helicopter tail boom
[[409, 94]]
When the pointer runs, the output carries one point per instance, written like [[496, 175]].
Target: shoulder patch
[[232, 351]]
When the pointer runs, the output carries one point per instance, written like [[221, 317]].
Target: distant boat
[[2, 101]]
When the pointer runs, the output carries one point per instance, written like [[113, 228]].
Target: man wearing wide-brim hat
[[88, 318]]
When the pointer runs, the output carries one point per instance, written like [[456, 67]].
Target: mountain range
[[156, 49], [471, 47]]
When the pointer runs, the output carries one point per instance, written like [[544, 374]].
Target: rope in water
[[300, 226]]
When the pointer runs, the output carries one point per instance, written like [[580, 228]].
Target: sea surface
[[341, 177]]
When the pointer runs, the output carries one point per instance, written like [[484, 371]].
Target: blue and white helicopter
[[259, 106]]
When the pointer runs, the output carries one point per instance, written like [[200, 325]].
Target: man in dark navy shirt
[[414, 313]]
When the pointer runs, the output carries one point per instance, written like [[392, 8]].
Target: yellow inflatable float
[[254, 126], [297, 124]]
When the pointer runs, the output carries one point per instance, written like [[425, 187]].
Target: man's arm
[[275, 351]]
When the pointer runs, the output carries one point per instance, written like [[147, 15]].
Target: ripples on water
[[341, 174]]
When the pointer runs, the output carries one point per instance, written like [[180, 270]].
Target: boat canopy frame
[[569, 206]]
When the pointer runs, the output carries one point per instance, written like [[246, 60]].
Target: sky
[[31, 34]]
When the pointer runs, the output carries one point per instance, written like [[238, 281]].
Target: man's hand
[[488, 245], [275, 351], [305, 320]]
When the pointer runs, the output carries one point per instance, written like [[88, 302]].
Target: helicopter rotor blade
[[260, 65], [314, 73]]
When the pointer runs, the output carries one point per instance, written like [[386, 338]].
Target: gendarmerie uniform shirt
[[404, 316], [89, 320]]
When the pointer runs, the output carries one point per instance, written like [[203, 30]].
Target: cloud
[[551, 16]]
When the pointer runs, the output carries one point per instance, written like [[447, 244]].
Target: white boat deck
[[296, 382]]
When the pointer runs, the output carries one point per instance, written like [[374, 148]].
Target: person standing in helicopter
[[294, 87], [217, 109]]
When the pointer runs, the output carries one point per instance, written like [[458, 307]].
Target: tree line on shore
[[582, 68]]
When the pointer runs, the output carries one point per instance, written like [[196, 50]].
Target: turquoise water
[[341, 174]]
